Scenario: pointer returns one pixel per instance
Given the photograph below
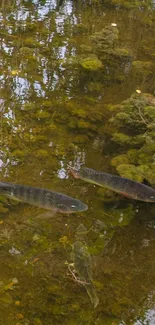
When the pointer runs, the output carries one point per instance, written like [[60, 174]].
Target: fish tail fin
[[92, 294]]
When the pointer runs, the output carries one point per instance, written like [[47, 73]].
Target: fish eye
[[73, 206]]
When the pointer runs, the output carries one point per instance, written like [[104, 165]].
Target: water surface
[[53, 114]]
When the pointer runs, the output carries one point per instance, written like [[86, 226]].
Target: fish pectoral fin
[[12, 198], [47, 215]]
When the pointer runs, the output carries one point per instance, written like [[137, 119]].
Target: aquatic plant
[[106, 195], [129, 4], [91, 63], [133, 120], [142, 68], [106, 40]]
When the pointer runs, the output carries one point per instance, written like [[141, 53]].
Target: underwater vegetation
[[101, 58], [91, 63], [129, 4], [105, 41], [134, 133], [104, 53]]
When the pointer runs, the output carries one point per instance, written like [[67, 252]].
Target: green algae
[[41, 153], [42, 114], [28, 107], [106, 195], [121, 159], [95, 86], [6, 299], [18, 153], [81, 139], [80, 29], [31, 42], [86, 48], [132, 156], [120, 52], [105, 40], [131, 4], [135, 111], [91, 63], [3, 209], [26, 51], [80, 112], [121, 138], [143, 68], [130, 171]]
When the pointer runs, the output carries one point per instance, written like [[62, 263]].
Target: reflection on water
[[58, 91]]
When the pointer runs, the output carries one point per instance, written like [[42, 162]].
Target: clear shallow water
[[44, 98]]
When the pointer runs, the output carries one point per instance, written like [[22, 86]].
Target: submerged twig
[[75, 278]]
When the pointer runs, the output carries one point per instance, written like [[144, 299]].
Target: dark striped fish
[[42, 198], [121, 185]]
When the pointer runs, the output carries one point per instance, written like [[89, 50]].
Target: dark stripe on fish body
[[43, 198], [47, 198], [35, 196]]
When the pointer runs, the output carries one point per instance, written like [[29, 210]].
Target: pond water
[[65, 69]]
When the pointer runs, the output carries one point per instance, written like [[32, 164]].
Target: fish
[[42, 198], [82, 263], [121, 185], [83, 266]]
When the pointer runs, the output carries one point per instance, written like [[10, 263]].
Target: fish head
[[77, 246], [146, 195], [74, 172], [71, 206], [150, 198]]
